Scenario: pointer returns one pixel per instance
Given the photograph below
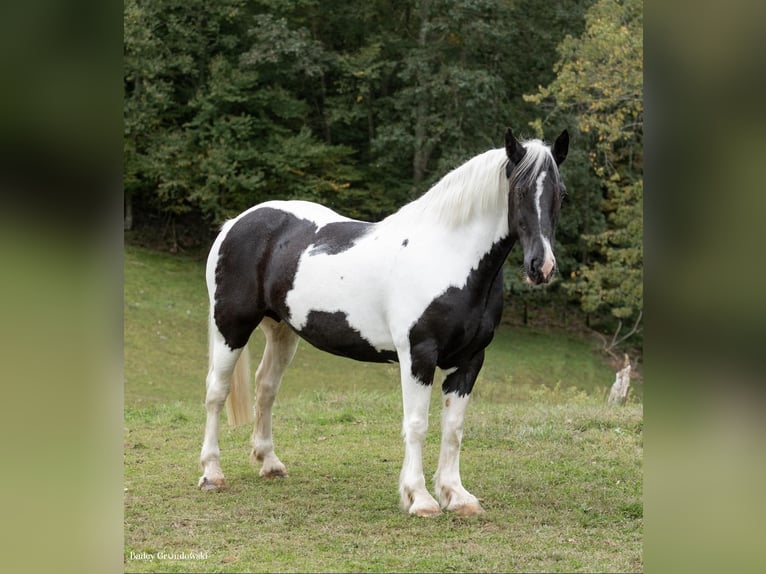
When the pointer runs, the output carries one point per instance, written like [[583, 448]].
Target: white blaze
[[549, 260]]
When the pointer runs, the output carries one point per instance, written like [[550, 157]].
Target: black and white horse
[[423, 288]]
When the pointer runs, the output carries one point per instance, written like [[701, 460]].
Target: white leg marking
[[222, 364], [414, 495], [447, 483], [281, 344]]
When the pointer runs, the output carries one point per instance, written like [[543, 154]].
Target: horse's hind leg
[[281, 343], [222, 363]]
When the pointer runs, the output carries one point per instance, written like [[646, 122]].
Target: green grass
[[558, 472]]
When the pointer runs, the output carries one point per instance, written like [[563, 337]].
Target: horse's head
[[535, 197]]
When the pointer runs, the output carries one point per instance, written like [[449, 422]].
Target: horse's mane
[[478, 186], [537, 159]]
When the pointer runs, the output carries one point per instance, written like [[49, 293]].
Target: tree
[[360, 106], [599, 82], [147, 96], [171, 50], [216, 118]]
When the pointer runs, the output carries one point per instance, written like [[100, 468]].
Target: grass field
[[558, 472]]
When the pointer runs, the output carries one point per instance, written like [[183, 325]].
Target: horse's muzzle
[[537, 274]]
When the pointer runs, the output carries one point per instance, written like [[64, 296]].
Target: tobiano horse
[[423, 287]]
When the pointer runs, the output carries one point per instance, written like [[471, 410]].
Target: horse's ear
[[514, 150], [561, 147]]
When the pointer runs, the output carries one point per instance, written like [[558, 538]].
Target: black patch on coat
[[458, 325], [405, 243], [338, 237], [462, 380], [331, 332], [256, 267]]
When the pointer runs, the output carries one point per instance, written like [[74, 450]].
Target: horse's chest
[[459, 316], [461, 321]]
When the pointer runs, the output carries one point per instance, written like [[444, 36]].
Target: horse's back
[[254, 262]]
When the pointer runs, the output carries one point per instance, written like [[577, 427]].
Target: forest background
[[361, 106]]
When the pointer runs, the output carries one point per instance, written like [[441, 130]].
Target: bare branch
[[615, 341]]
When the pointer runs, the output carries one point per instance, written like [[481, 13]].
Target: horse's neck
[[482, 243], [494, 256], [491, 238]]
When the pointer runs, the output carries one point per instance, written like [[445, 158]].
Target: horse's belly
[[336, 306], [331, 331]]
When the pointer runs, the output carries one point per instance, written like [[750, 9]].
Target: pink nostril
[[548, 267]]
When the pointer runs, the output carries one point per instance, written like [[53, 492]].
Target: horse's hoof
[[211, 485], [470, 509], [276, 473], [426, 512], [427, 509], [273, 473]]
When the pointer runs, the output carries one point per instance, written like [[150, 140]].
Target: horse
[[422, 288]]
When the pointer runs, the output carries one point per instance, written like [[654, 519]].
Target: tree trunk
[[128, 214], [320, 106], [370, 118], [619, 392], [421, 150]]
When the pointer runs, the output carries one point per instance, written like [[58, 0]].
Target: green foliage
[[617, 283], [599, 84], [361, 106], [217, 126]]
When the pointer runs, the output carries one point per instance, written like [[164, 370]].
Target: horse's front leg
[[416, 393], [448, 486]]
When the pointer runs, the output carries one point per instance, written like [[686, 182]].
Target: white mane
[[532, 163], [477, 187]]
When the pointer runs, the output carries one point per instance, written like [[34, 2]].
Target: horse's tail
[[238, 407]]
